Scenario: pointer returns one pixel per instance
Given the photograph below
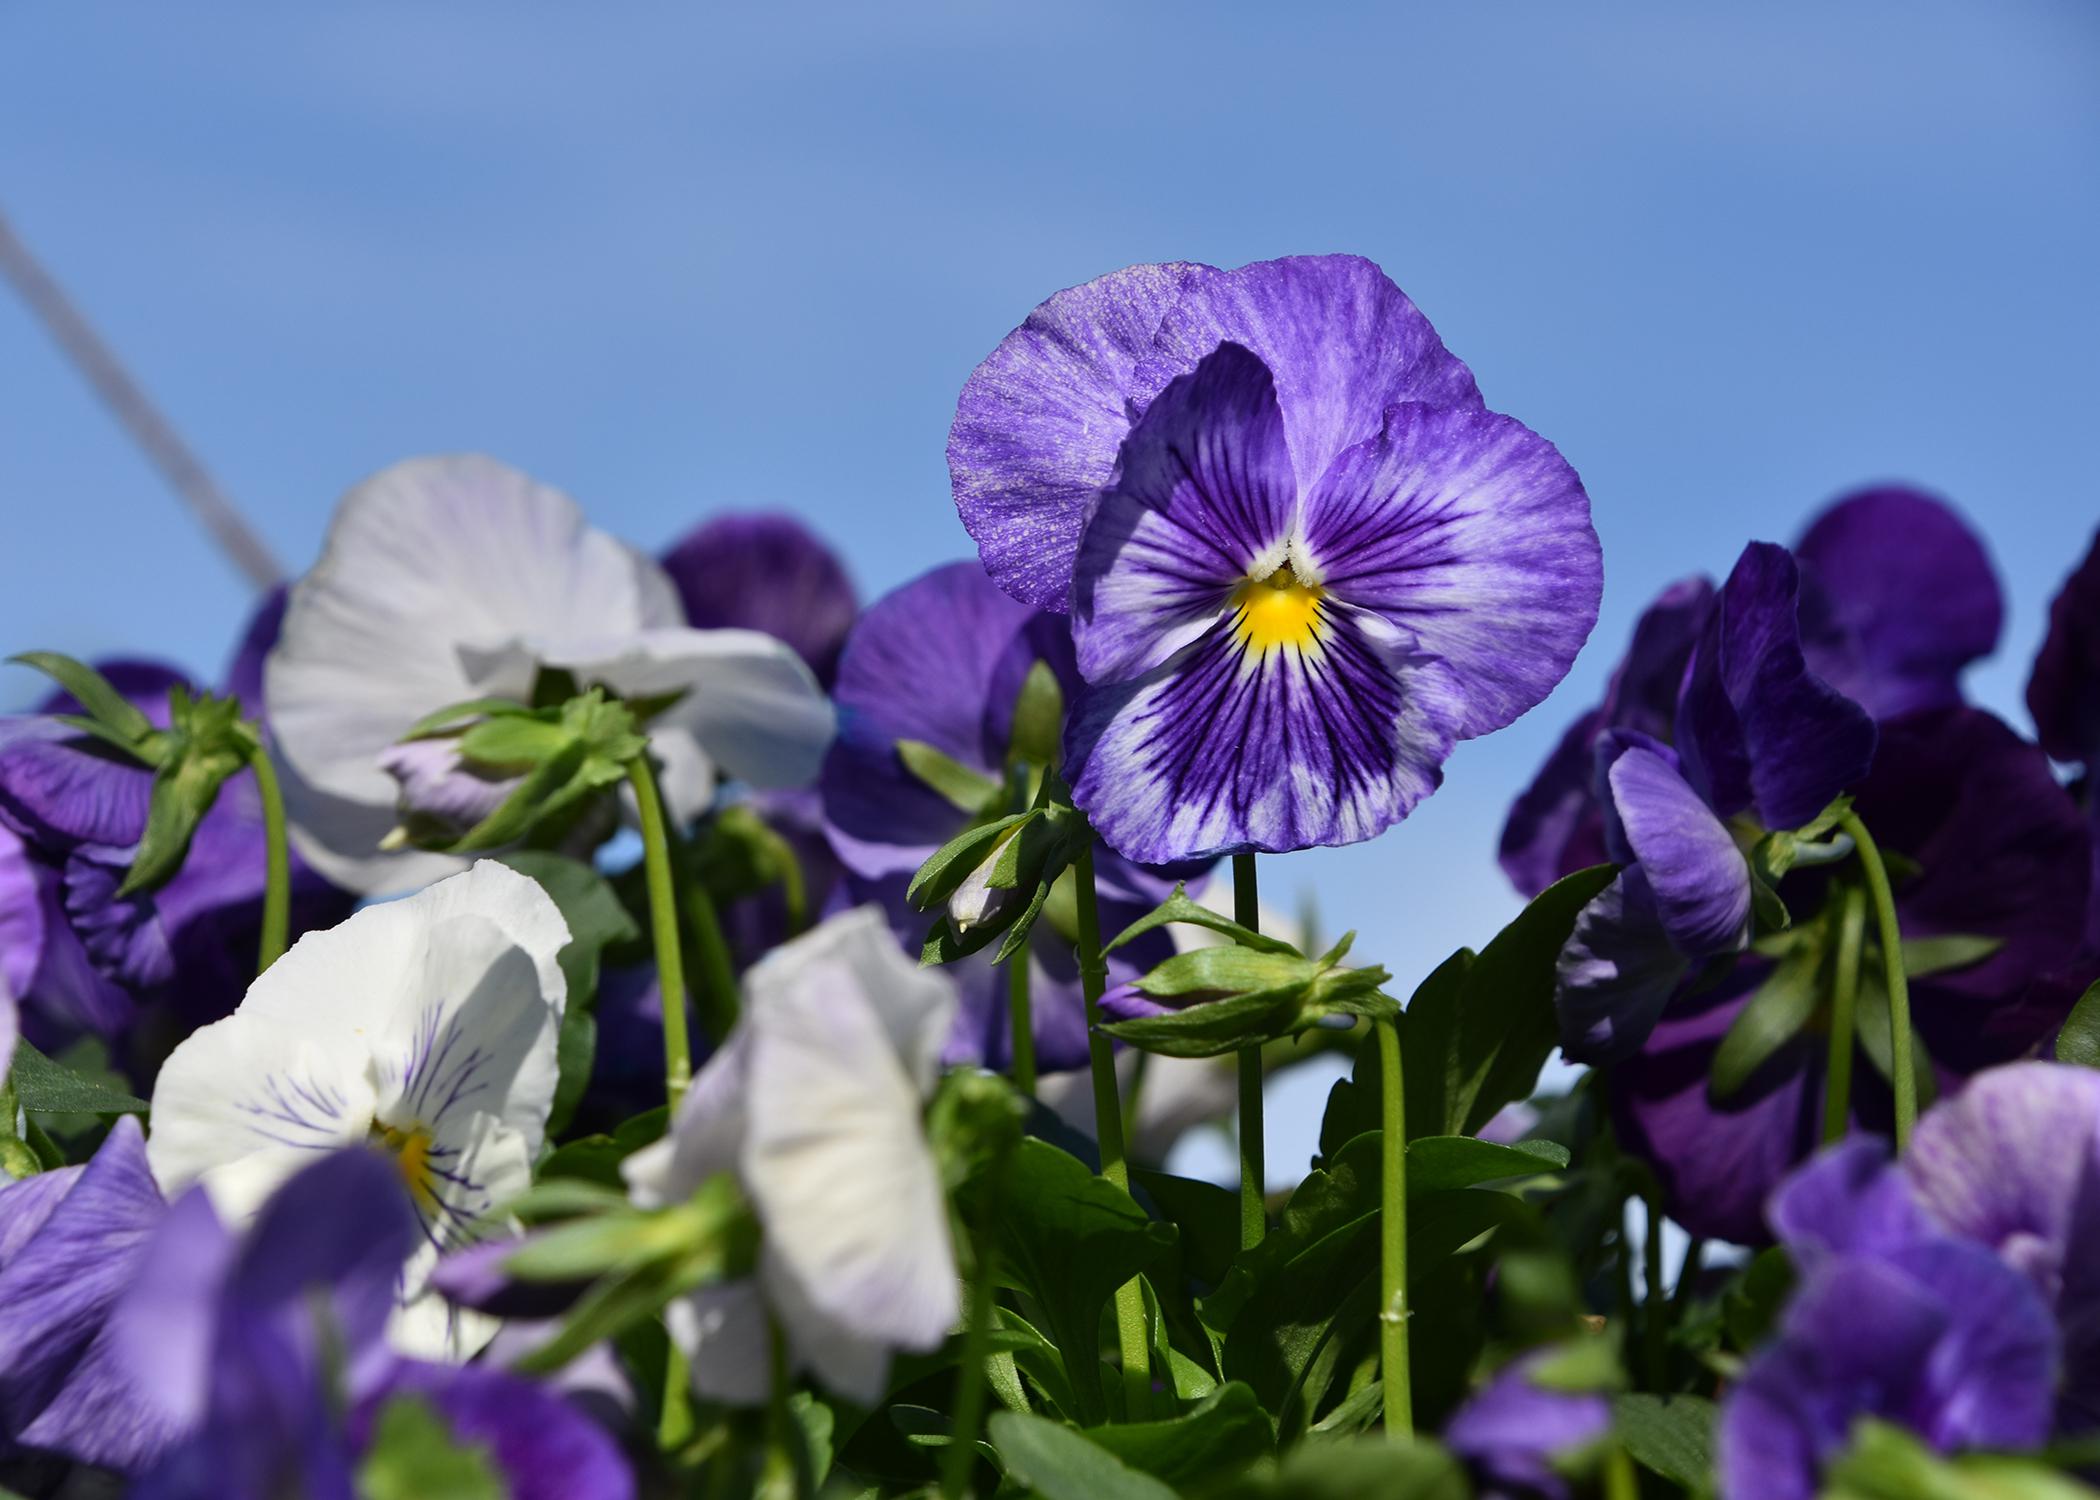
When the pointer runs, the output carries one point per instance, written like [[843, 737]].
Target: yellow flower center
[[1277, 612], [411, 1153]]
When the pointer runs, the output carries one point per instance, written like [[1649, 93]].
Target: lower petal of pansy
[[1616, 973], [1230, 747], [1697, 875]]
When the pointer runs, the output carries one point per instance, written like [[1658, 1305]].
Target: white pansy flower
[[817, 1104], [454, 578], [426, 1027]]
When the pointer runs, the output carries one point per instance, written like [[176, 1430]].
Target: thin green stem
[[1393, 1313], [1655, 1306], [972, 1386], [674, 1424], [1020, 1016], [1891, 933], [663, 926], [277, 855], [1254, 1209], [1620, 1482], [1844, 999], [1108, 1130]]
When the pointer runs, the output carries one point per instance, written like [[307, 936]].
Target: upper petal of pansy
[[2063, 692], [1344, 342], [1897, 597], [244, 671], [769, 573], [1555, 826], [1847, 1200], [1229, 747], [1038, 425], [1699, 878], [1645, 684], [845, 1037], [1203, 501], [1471, 531], [1755, 727], [1616, 973], [918, 666]]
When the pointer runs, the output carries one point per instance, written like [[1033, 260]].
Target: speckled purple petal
[[544, 1447], [766, 572], [1039, 424], [1344, 342], [1203, 501], [1698, 877], [1616, 973], [1224, 750], [1755, 727], [1471, 531], [1897, 596], [2063, 693]]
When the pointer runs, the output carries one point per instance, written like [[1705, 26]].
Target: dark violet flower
[[942, 661], [1514, 1433], [1315, 563], [1758, 736], [71, 1242], [1897, 597], [1999, 852], [769, 573], [2063, 693], [271, 1349], [79, 958]]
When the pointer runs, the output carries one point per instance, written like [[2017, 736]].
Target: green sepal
[[46, 1087], [1178, 907], [1239, 997], [110, 715], [1947, 952], [1037, 737], [206, 744], [454, 716], [950, 865], [1774, 1016], [969, 791]]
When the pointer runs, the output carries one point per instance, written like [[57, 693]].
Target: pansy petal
[[1472, 531], [1898, 595], [544, 1448], [1203, 500], [1555, 826], [1039, 423], [1344, 342], [21, 930], [1644, 686], [1699, 878], [706, 1137], [244, 673], [1616, 973], [917, 667], [726, 1337], [1847, 1200], [1225, 749], [838, 1350], [2063, 693], [768, 573], [59, 786], [1511, 1432]]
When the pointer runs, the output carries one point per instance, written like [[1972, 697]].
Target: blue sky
[[677, 258]]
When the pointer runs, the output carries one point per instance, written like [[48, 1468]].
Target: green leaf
[[413, 1455], [1179, 908], [1947, 953], [1876, 1030], [1751, 1307], [104, 704], [1217, 1439], [596, 921], [2079, 1041], [1358, 1470], [1068, 1239], [596, 1158], [44, 1087], [1438, 1163], [1774, 1016], [1207, 1215], [1051, 1460], [1671, 1435], [970, 791], [1887, 1463], [514, 742], [1039, 719]]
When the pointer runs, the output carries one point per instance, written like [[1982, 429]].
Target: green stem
[[794, 895], [663, 926], [1254, 1209], [1655, 1306], [1891, 933], [786, 1466], [972, 1386], [277, 882], [1020, 1017], [1108, 1130], [1620, 1482], [1844, 997], [1393, 1313], [674, 1424]]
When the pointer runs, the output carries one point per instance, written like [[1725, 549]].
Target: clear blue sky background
[[681, 257]]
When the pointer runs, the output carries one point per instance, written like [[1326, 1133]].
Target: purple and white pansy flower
[[426, 1026], [1301, 558], [816, 1103], [449, 579]]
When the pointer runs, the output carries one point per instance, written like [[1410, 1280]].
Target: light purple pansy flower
[[1314, 564], [1514, 1434], [766, 572], [2000, 852], [941, 661], [71, 1242], [270, 1348]]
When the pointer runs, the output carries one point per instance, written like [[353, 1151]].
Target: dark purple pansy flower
[[1897, 597], [271, 1348], [942, 661], [769, 573], [1757, 734], [1514, 1432], [1999, 852], [71, 1242], [1314, 564], [2063, 693]]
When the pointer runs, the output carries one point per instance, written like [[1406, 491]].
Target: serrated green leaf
[[413, 1455], [1774, 1016], [968, 791], [1214, 1441], [1438, 1163], [1670, 1435], [1051, 1460], [45, 1087], [109, 708], [2079, 1041]]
